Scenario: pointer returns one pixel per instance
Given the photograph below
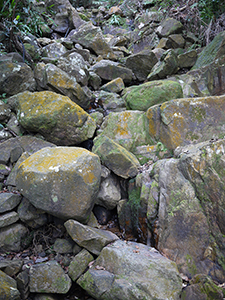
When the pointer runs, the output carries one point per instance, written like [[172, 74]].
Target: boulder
[[15, 78], [115, 157], [8, 219], [92, 239], [50, 77], [12, 237], [91, 37], [114, 86], [127, 128], [53, 50], [141, 63], [169, 26], [111, 101], [79, 264], [187, 59], [74, 65], [167, 65], [185, 121], [8, 287], [8, 201], [49, 277], [56, 117], [129, 270], [61, 181], [109, 70], [145, 95]]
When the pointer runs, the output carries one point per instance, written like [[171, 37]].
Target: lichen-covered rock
[[53, 50], [12, 236], [211, 52], [4, 111], [114, 86], [181, 122], [187, 59], [91, 37], [15, 78], [50, 77], [141, 63], [167, 65], [61, 181], [8, 219], [127, 128], [169, 26], [49, 277], [109, 70], [115, 157], [111, 101], [145, 95], [8, 287], [92, 239], [128, 270], [79, 264], [8, 201], [56, 117]]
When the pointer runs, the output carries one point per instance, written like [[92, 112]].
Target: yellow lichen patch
[[152, 122], [121, 128]]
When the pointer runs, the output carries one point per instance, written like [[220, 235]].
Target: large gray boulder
[[128, 270], [61, 181], [8, 287]]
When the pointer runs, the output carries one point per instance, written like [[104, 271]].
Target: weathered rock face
[[143, 96], [61, 181], [130, 271], [49, 278], [115, 157], [50, 77], [92, 239], [190, 196], [169, 26], [56, 117], [127, 128], [181, 122], [15, 77], [11, 237], [8, 287]]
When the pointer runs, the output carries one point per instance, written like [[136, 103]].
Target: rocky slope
[[115, 116]]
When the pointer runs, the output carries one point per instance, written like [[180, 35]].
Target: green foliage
[[210, 9], [23, 16]]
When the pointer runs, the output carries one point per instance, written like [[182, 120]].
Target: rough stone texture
[[91, 37], [181, 122], [79, 264], [111, 101], [114, 86], [11, 237], [8, 287], [169, 26], [56, 117], [127, 128], [187, 59], [128, 270], [167, 65], [141, 63], [212, 51], [109, 70], [15, 78], [61, 181], [143, 96], [115, 157], [49, 277], [92, 239], [75, 65], [8, 219], [53, 50], [8, 201], [50, 77]]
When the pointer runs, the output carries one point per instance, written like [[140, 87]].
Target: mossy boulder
[[143, 96]]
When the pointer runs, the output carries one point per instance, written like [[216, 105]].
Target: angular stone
[[4, 111], [49, 277], [141, 63], [128, 270], [122, 162], [187, 59], [11, 237], [169, 26], [63, 246], [8, 288], [8, 219], [62, 181], [92, 239], [8, 201], [114, 86], [54, 50], [109, 70], [79, 264]]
